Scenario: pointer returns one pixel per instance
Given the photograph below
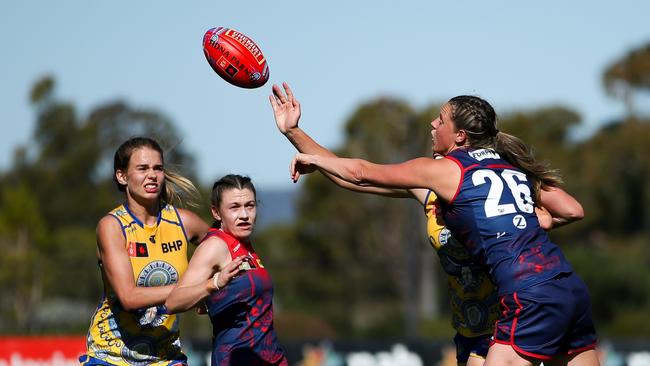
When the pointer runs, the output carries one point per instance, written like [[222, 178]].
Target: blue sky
[[335, 54]]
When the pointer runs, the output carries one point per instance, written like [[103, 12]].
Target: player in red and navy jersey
[[489, 186], [226, 273], [473, 296]]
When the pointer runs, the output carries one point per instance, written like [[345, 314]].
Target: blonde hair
[[180, 190]]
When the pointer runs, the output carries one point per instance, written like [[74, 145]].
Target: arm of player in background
[[287, 111], [560, 206], [211, 256], [195, 227]]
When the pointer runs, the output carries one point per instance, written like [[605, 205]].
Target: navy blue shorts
[[471, 346], [549, 319]]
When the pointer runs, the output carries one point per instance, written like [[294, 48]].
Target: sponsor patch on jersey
[[137, 249], [519, 221], [481, 154]]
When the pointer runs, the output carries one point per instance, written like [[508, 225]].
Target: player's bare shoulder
[[195, 227]]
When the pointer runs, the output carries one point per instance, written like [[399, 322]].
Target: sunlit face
[[443, 131], [237, 212], [144, 177]]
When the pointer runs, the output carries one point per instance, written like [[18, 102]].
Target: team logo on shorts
[[158, 273]]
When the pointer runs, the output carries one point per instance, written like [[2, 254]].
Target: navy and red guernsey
[[493, 215], [242, 313]]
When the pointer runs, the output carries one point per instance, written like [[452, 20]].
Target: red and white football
[[235, 57]]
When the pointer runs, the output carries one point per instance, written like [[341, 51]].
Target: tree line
[[349, 265]]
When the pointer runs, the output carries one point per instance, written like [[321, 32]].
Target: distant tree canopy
[[350, 265], [628, 74]]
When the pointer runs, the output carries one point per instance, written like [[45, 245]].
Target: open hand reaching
[[286, 109]]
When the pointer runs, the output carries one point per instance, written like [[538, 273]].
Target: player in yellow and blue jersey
[[142, 252], [473, 296]]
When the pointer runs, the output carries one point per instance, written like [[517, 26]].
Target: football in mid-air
[[235, 57]]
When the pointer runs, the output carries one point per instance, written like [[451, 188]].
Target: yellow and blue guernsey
[[474, 300], [147, 336]]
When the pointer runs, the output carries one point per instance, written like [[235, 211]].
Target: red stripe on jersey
[[462, 176], [499, 166]]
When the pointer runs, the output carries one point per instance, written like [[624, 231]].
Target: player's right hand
[[286, 108], [220, 279]]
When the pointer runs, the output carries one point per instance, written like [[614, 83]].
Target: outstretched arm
[[287, 111], [441, 176]]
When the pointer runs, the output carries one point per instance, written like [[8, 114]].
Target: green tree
[[24, 264], [630, 73], [615, 171], [612, 174]]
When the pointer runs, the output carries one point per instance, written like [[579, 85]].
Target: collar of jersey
[[137, 221]]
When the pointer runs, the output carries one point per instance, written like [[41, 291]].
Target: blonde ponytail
[[180, 190]]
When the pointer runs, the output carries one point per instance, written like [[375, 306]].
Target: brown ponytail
[[515, 151], [477, 117]]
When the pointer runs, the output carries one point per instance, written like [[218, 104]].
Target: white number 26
[[513, 179]]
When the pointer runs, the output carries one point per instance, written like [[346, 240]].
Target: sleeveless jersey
[[242, 312], [493, 216], [473, 296], [149, 336]]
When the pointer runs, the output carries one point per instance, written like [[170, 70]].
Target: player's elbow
[[358, 173], [129, 304], [130, 301], [576, 213]]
